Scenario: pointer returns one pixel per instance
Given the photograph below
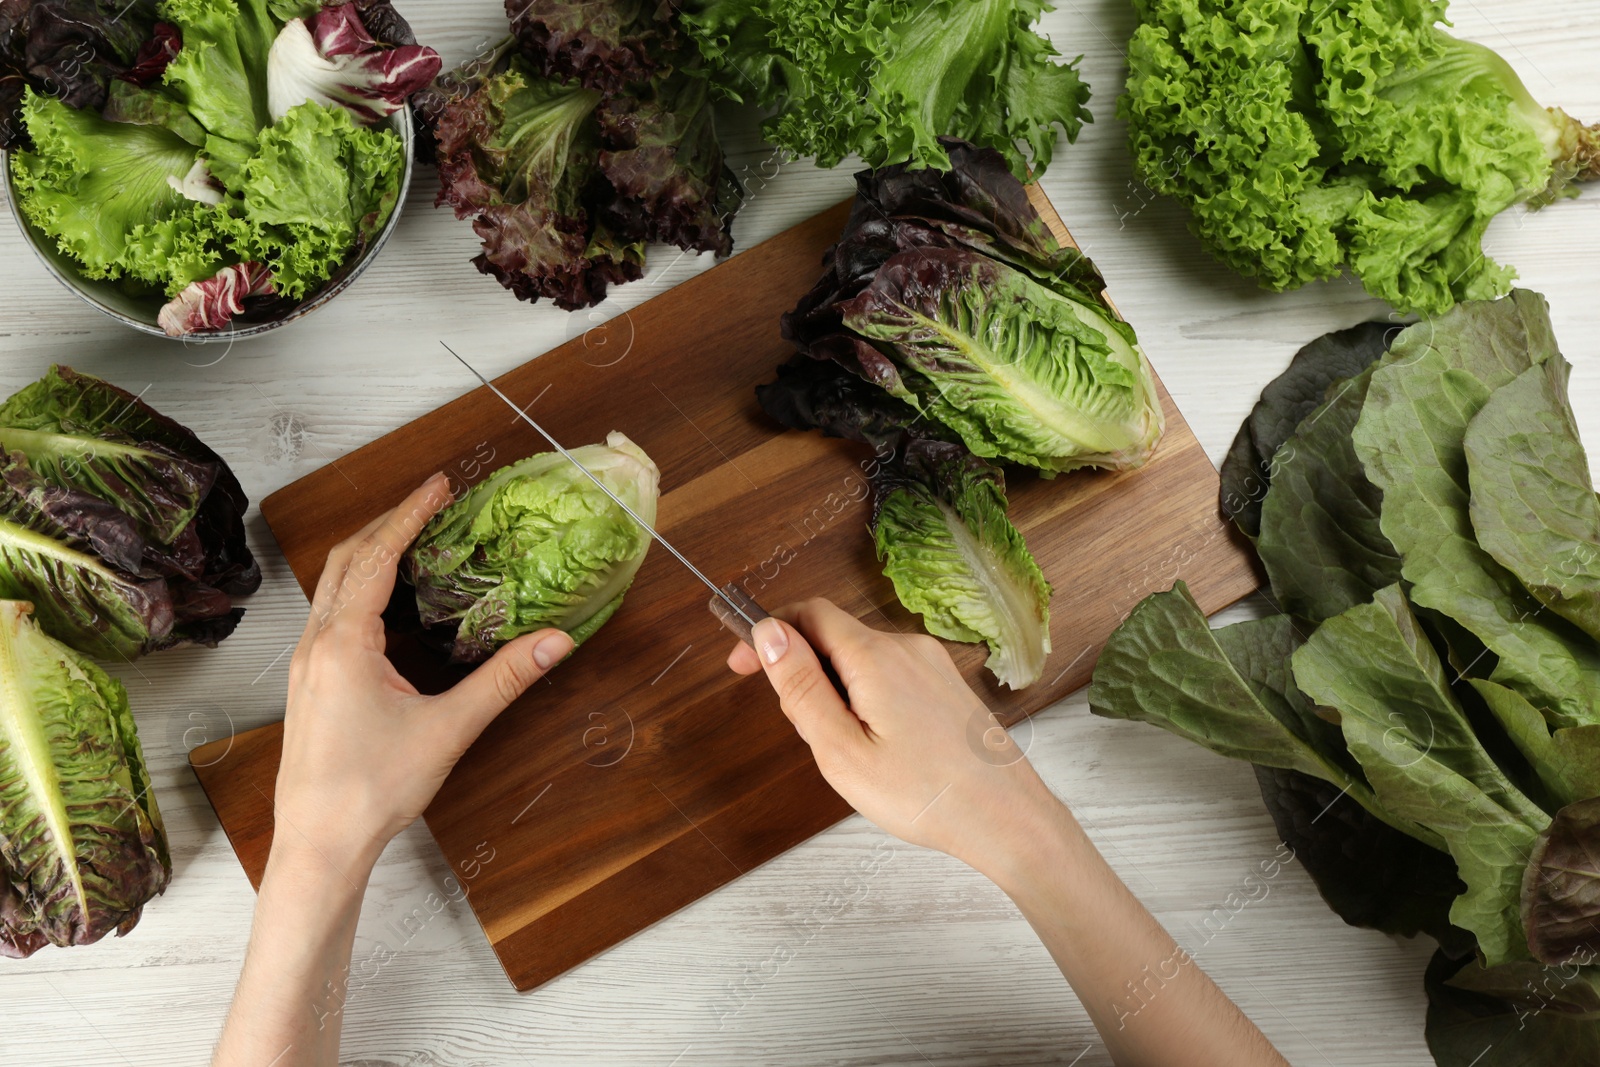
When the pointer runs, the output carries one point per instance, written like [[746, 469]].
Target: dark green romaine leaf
[[1516, 1015], [1533, 502], [1567, 762], [1369, 873], [940, 528], [82, 847], [1164, 665], [1561, 893], [1437, 377], [1374, 666], [1320, 540], [536, 544], [1248, 470], [1021, 372]]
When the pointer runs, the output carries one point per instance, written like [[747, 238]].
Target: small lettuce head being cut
[[535, 545]]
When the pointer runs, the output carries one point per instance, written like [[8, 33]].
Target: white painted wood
[[928, 963]]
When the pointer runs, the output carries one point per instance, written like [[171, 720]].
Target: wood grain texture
[[928, 963], [625, 789]]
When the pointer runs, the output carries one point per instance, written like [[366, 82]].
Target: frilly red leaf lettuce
[[565, 184], [605, 45]]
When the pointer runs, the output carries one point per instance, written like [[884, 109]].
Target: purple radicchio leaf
[[154, 56], [331, 58], [209, 305]]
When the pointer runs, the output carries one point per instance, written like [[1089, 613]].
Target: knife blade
[[731, 605]]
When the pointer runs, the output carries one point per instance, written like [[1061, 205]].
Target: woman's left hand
[[363, 752]]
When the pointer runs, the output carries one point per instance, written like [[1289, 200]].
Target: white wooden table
[[923, 962]]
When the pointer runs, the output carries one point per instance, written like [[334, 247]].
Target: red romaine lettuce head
[[117, 523], [332, 58], [85, 846], [209, 305], [605, 45]]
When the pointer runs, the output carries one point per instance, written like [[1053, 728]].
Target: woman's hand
[[914, 750], [363, 752]]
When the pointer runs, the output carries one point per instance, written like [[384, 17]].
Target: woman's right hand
[[914, 750]]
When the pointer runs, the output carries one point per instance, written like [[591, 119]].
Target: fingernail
[[771, 640], [552, 650]]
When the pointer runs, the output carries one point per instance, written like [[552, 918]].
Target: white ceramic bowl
[[140, 313]]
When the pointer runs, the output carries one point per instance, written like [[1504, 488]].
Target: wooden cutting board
[[643, 774]]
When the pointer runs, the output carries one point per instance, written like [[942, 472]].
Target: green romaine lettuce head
[[939, 520], [1437, 377], [536, 544], [1307, 137], [940, 528], [1533, 503], [82, 848], [122, 528], [888, 78], [1455, 702]]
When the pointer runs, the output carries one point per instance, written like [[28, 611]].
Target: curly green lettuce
[[887, 78], [1311, 138], [315, 187]]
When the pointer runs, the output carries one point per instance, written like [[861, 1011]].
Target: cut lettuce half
[[941, 531]]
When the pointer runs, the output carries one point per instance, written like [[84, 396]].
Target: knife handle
[[755, 613]]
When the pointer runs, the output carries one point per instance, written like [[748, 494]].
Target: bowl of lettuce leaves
[[209, 169]]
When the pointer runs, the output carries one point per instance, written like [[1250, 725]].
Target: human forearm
[[289, 1006], [1153, 1005]]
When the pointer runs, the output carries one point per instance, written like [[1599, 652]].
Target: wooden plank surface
[[921, 962], [630, 786]]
